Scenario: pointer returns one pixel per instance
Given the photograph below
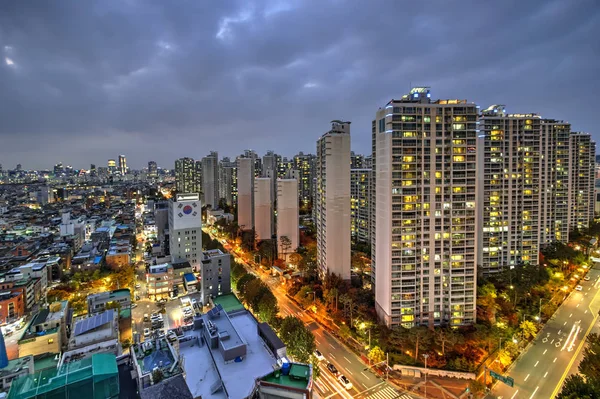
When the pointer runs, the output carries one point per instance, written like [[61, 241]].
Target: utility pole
[[540, 312], [387, 365], [426, 356]]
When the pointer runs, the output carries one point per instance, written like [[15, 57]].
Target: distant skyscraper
[[333, 200], [270, 169], [112, 166], [287, 216], [305, 165], [93, 171], [19, 167], [210, 180], [122, 165], [152, 169], [360, 205], [58, 169], [256, 160], [245, 190], [188, 176], [185, 229], [425, 229], [227, 188], [263, 208], [581, 180]]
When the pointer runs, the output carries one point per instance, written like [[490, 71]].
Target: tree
[[486, 303], [286, 244], [476, 387], [359, 262], [243, 281], [300, 342], [419, 336], [576, 387], [295, 258], [528, 329], [376, 355], [266, 249], [157, 376], [444, 337], [268, 308], [305, 296], [590, 364]]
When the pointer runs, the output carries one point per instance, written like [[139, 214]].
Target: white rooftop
[[238, 377]]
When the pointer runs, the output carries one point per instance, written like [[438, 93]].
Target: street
[[540, 372], [365, 384]]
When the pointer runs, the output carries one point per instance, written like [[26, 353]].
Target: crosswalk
[[388, 393]]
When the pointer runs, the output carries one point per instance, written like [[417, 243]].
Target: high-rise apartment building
[[210, 180], [122, 165], [305, 165], [256, 160], [245, 192], [112, 166], [287, 217], [509, 196], [554, 181], [152, 169], [425, 225], [332, 206], [263, 208], [360, 205], [188, 176], [227, 186], [581, 180], [185, 229]]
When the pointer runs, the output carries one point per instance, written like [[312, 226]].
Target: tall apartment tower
[[304, 164], [360, 205], [509, 206], [333, 200], [188, 176], [270, 169], [554, 181], [227, 188], [210, 180], [122, 165], [263, 208], [152, 169], [185, 229], [287, 216], [425, 233], [245, 192], [581, 180], [112, 166]]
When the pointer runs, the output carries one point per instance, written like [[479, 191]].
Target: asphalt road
[[540, 372], [365, 384]]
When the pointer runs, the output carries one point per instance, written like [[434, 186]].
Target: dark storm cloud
[[82, 81]]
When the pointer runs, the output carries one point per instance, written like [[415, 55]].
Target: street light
[[426, 356]]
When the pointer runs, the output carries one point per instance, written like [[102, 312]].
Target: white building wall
[[287, 214], [263, 208], [245, 184], [185, 229]]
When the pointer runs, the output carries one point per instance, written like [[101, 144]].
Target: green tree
[[286, 244], [476, 387], [576, 387], [528, 329], [268, 308], [254, 292], [419, 337], [157, 376], [376, 355], [445, 337], [243, 282], [300, 342], [305, 296], [486, 303]]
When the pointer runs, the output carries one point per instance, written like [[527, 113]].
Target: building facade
[[245, 193], [227, 186], [287, 217], [210, 180], [333, 200], [188, 176], [305, 165], [159, 281], [425, 232], [185, 229], [360, 205], [216, 281], [263, 208], [122, 165], [581, 180]]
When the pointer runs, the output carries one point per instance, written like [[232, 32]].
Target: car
[[587, 278], [332, 369], [194, 300], [345, 382], [8, 332], [146, 318], [318, 355], [146, 332], [579, 288], [171, 336], [137, 286], [137, 297], [160, 334], [133, 305]]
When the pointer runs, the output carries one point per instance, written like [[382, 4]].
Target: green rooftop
[[229, 302], [298, 377]]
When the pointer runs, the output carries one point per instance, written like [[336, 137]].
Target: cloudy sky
[[83, 81]]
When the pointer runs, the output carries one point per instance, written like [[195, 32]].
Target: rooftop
[[156, 353], [15, 365], [212, 253], [298, 377], [229, 302]]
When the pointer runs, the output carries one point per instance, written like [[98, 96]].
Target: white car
[[146, 332], [318, 355], [587, 278], [194, 300], [345, 382], [579, 288]]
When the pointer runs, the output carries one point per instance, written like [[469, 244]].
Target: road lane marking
[[554, 361], [585, 312], [552, 342], [536, 389], [577, 305], [545, 352], [364, 385], [332, 346], [536, 363], [348, 360], [331, 354], [565, 323], [571, 315], [366, 375], [545, 374], [351, 373], [526, 378], [515, 394]]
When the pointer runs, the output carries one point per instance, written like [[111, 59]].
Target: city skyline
[[152, 94]]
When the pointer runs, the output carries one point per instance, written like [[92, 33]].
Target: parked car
[[137, 297], [579, 288], [171, 336], [194, 300], [318, 355], [345, 382], [332, 369], [587, 278], [146, 318], [8, 332], [137, 286], [146, 332], [133, 305]]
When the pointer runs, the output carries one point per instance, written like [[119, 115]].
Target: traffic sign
[[507, 380]]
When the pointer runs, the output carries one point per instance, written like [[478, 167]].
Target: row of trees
[[300, 341], [585, 385]]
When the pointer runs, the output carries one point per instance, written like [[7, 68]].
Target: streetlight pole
[[540, 312], [426, 356]]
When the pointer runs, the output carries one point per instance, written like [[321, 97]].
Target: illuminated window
[[458, 158]]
